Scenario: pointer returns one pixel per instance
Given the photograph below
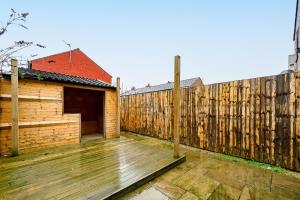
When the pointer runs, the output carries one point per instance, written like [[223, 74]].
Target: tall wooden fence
[[254, 119]]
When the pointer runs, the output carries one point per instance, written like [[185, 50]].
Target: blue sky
[[137, 40]]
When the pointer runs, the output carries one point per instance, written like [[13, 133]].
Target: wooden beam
[[32, 97], [14, 107], [79, 128], [118, 106], [39, 123], [176, 104], [96, 88]]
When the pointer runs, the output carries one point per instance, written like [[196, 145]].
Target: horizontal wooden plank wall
[[42, 122], [254, 119]]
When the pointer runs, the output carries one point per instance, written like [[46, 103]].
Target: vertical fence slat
[[255, 119]]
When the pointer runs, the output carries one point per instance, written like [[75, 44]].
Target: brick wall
[[80, 65]]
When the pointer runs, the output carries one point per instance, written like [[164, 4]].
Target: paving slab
[[189, 196], [245, 194], [170, 190], [207, 175], [225, 192]]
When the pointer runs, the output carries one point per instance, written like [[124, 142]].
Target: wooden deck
[[96, 169]]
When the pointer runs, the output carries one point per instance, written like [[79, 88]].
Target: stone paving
[[207, 175]]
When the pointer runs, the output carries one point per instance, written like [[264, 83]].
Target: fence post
[[118, 106], [176, 104], [14, 107]]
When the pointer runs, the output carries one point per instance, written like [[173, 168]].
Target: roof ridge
[[167, 83]]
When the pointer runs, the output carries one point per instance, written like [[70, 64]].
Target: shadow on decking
[[96, 169]]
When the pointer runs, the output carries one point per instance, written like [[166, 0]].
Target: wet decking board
[[96, 170]]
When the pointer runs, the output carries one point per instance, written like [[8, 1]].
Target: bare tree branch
[[15, 19]]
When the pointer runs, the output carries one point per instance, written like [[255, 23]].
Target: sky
[[137, 39]]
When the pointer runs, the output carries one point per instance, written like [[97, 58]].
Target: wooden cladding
[[254, 119], [41, 121]]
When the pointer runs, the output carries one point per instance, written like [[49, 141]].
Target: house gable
[[74, 63]]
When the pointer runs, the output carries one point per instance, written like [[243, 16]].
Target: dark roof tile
[[54, 77]]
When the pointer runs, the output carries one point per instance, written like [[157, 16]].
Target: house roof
[[54, 77], [167, 86], [74, 63]]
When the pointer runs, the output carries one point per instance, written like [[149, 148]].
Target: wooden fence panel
[[296, 143], [254, 119]]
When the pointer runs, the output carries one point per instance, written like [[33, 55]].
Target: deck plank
[[96, 169]]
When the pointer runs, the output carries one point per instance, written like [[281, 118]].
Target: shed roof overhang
[[60, 78]]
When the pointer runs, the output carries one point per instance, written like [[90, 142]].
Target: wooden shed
[[56, 109]]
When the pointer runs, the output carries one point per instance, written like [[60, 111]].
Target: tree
[[15, 19]]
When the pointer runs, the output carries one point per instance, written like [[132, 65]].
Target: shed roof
[[62, 78], [166, 86]]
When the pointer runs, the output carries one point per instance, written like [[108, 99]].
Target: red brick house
[[74, 63]]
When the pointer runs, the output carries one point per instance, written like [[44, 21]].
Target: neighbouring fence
[[255, 119]]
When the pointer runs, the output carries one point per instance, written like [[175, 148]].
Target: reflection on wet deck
[[95, 169]]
